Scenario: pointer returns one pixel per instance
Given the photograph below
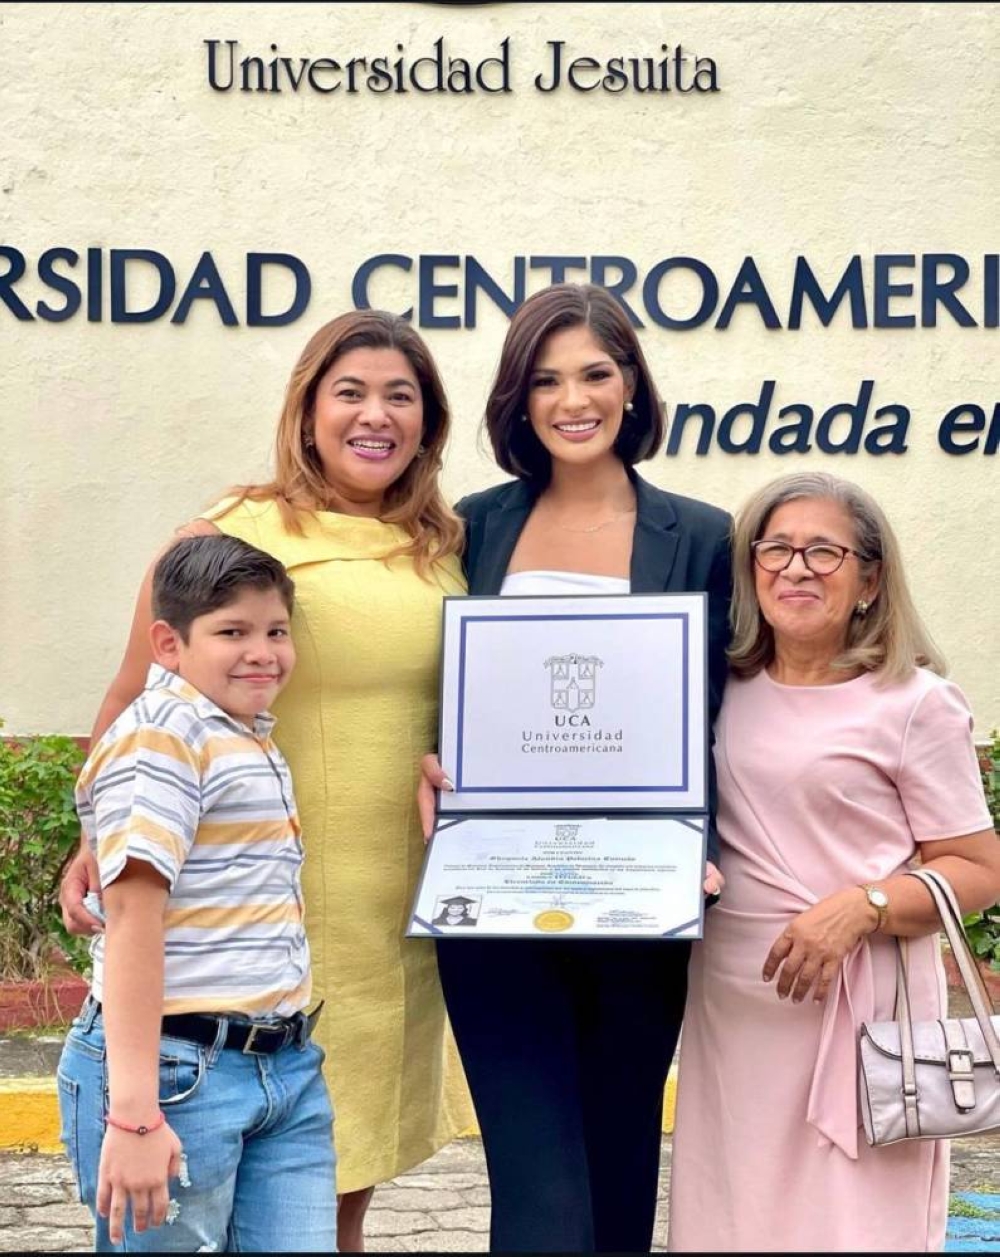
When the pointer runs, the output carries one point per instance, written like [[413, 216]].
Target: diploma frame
[[633, 675], [630, 643]]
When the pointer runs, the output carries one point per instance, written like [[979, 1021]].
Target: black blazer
[[680, 546]]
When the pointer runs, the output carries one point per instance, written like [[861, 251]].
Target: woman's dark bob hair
[[515, 446]]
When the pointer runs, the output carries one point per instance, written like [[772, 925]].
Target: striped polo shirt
[[177, 782]]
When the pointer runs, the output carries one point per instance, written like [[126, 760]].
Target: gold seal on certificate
[[553, 921], [575, 732]]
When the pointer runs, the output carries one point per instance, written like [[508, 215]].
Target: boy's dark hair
[[202, 574]]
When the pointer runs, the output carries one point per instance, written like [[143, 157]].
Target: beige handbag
[[935, 1079]]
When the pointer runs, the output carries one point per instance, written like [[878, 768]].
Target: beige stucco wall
[[840, 129]]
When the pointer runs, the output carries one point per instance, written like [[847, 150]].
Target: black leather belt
[[257, 1038]]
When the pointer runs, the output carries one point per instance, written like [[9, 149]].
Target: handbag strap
[[906, 1053], [951, 918]]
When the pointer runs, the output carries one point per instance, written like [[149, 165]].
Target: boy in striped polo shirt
[[191, 1094]]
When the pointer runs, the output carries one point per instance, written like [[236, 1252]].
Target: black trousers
[[566, 1046]]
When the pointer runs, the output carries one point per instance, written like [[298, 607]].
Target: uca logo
[[573, 681]]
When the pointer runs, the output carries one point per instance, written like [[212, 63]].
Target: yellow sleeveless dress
[[356, 716]]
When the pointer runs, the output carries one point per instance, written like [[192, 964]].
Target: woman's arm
[[129, 681], [941, 794], [812, 946], [971, 864]]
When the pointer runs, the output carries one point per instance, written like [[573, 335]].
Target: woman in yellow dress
[[355, 514]]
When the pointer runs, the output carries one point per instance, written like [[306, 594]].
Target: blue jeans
[[257, 1138]]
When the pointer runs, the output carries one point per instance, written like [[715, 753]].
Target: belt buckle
[[960, 1063], [248, 1048]]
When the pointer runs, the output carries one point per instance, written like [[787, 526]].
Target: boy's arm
[[146, 797], [135, 1168]]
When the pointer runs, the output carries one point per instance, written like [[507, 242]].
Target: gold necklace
[[596, 527]]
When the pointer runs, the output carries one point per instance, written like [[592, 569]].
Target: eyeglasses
[[822, 559]]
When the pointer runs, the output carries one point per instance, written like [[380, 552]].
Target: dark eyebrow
[[603, 362], [235, 622], [818, 540], [353, 379]]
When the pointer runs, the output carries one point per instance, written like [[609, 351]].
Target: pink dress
[[820, 787]]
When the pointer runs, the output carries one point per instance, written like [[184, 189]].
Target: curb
[[30, 1115], [30, 1107]]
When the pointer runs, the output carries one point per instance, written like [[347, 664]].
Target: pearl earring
[[861, 607], [629, 407]]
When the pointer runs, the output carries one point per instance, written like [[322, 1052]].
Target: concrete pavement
[[440, 1206]]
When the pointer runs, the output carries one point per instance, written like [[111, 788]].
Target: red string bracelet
[[136, 1130]]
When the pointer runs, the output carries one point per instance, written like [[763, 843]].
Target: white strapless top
[[520, 583]]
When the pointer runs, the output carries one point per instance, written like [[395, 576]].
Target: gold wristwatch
[[879, 900]]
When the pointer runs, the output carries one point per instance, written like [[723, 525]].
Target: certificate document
[[608, 876], [575, 731], [574, 703]]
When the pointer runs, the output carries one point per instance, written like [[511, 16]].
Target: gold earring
[[861, 607]]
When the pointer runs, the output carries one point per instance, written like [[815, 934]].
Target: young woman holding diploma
[[566, 1043]]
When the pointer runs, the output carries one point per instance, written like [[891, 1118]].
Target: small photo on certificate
[[456, 911]]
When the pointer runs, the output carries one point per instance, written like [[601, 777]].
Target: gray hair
[[890, 638]]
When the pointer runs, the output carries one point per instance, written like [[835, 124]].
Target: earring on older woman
[[861, 608]]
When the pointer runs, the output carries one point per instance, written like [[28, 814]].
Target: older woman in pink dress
[[842, 754]]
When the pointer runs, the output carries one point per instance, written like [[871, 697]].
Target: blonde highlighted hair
[[414, 501], [890, 638]]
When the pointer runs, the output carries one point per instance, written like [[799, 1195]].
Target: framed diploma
[[579, 703], [575, 730], [559, 877]]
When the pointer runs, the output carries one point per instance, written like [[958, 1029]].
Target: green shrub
[[38, 830], [983, 928]]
